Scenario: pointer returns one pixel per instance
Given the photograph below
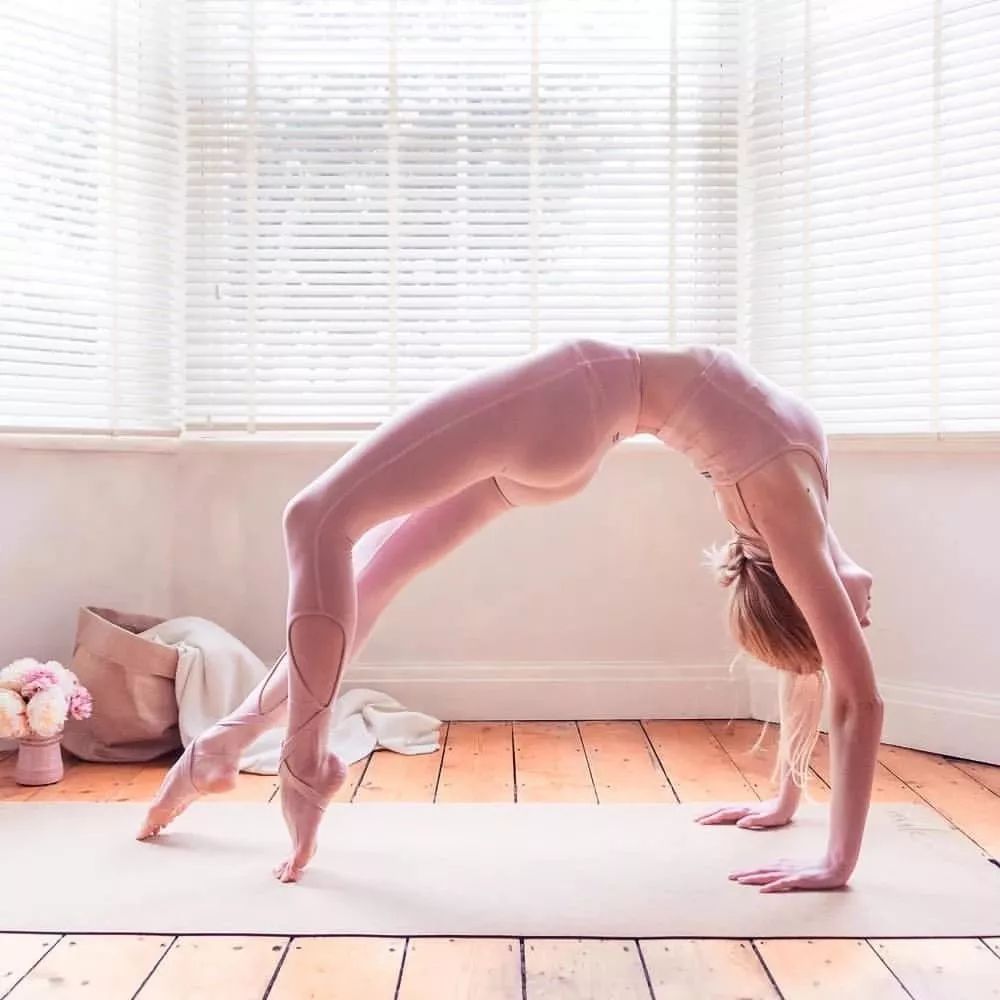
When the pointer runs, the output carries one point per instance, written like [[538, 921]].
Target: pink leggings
[[530, 431]]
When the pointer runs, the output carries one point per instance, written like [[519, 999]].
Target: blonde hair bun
[[763, 616], [727, 561]]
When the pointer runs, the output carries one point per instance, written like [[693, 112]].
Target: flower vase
[[39, 760]]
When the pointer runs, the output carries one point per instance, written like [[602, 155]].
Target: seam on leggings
[[637, 384], [295, 617], [595, 389], [416, 444]]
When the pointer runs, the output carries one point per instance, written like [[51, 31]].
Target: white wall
[[79, 527], [594, 607]]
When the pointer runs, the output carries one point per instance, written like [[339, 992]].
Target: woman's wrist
[[788, 798], [841, 862]]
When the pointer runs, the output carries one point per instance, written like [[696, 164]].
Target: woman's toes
[[286, 872]]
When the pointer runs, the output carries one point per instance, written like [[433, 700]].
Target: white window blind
[[870, 223], [378, 197], [385, 195], [90, 187]]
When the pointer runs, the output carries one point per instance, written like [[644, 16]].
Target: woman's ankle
[[306, 754]]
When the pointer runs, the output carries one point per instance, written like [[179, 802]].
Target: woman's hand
[[757, 816], [784, 876]]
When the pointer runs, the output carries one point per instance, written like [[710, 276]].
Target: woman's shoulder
[[786, 497]]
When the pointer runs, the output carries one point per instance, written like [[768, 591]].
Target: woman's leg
[[415, 543], [523, 417], [384, 560], [531, 420], [383, 564]]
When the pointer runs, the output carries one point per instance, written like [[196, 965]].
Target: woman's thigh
[[530, 419]]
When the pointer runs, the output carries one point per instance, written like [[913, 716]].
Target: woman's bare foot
[[304, 798], [207, 765]]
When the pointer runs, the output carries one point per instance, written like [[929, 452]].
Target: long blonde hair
[[767, 623]]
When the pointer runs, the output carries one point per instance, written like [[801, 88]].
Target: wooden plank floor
[[649, 761]]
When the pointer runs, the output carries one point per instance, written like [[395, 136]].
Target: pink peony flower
[[67, 679], [12, 675], [38, 679], [80, 703], [47, 712], [13, 722]]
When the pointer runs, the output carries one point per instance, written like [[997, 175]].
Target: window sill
[[291, 441]]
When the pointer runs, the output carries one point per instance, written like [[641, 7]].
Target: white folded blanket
[[215, 672]]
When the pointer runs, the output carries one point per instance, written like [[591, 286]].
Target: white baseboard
[[534, 691], [940, 720]]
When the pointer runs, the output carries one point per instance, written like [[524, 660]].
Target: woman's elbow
[[858, 709]]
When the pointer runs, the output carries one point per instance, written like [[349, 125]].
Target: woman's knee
[[307, 511], [309, 523], [299, 519]]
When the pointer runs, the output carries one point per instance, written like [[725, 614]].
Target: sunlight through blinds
[[870, 220], [383, 196], [91, 188]]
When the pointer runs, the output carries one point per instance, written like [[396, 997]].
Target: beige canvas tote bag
[[132, 683]]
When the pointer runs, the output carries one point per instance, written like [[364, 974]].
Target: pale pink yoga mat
[[450, 870]]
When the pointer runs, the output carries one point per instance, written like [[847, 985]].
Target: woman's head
[[764, 618], [768, 624]]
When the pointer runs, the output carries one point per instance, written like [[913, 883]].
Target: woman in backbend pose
[[533, 431]]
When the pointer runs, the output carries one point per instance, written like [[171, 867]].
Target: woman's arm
[[773, 812], [796, 534]]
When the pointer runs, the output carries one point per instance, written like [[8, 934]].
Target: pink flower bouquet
[[36, 699]]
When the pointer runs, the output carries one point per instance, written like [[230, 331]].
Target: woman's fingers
[[727, 814], [786, 883], [785, 876], [761, 878], [776, 868], [705, 817], [754, 872]]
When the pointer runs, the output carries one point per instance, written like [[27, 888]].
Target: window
[[90, 203], [385, 195], [230, 215], [871, 261]]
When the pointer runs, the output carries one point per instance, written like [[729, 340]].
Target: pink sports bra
[[730, 420]]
